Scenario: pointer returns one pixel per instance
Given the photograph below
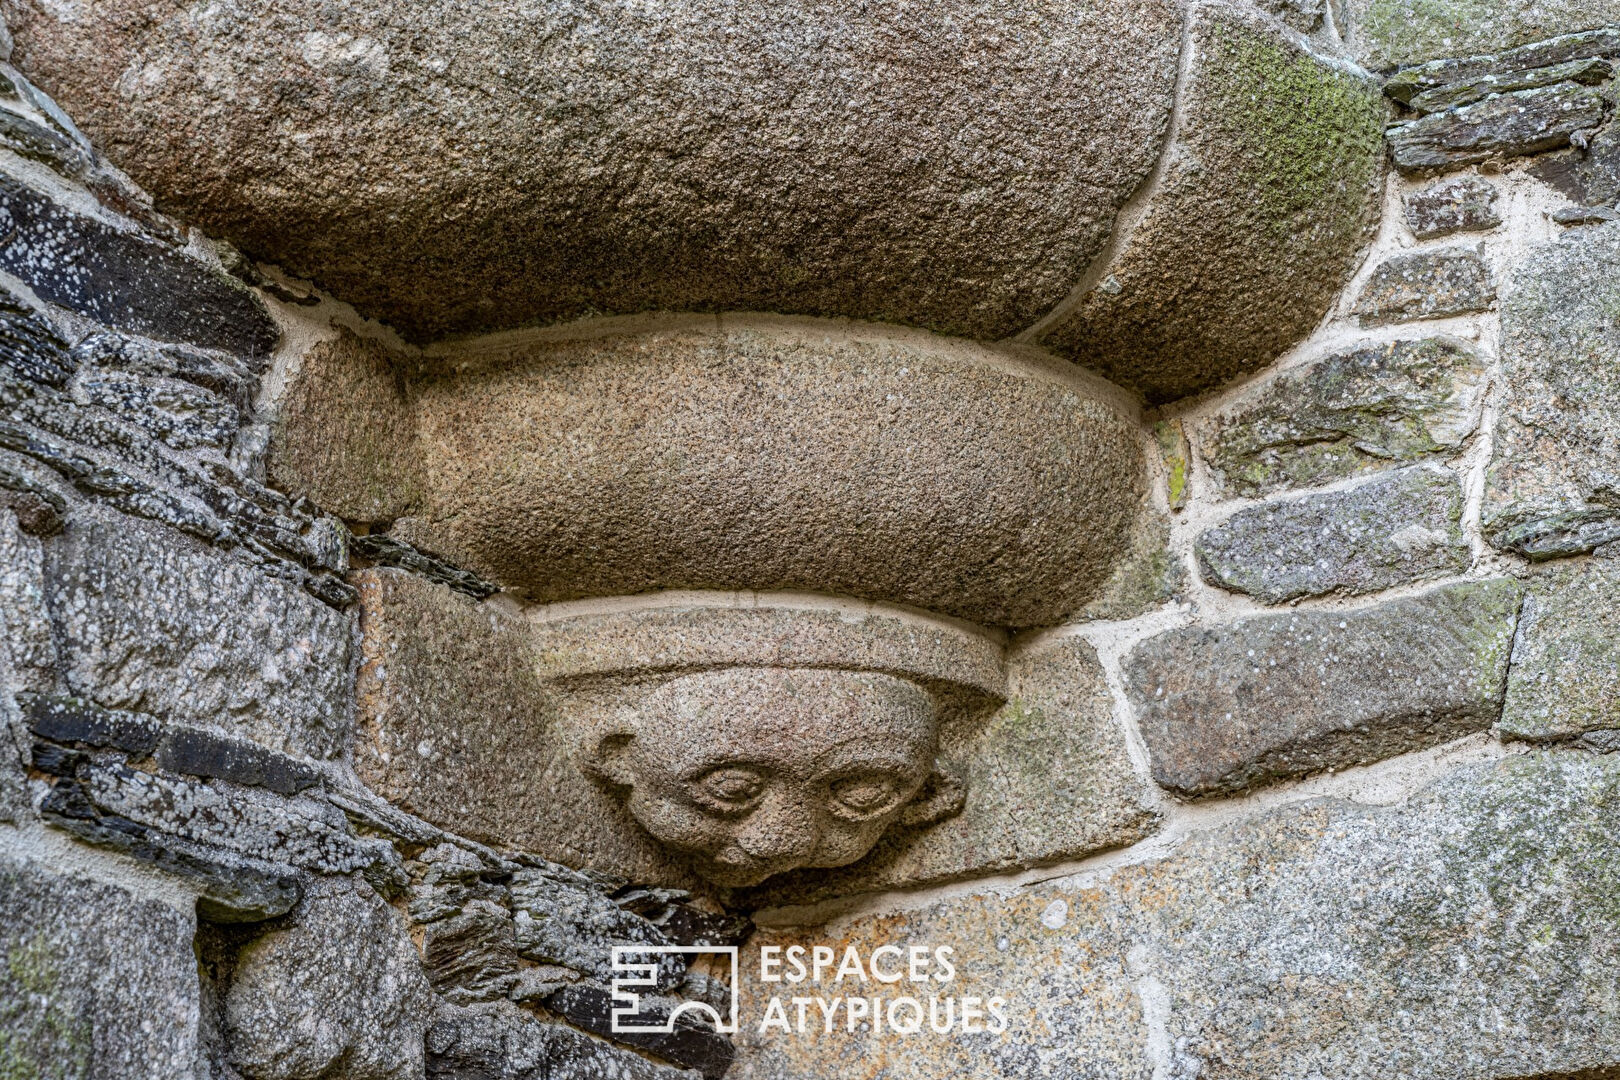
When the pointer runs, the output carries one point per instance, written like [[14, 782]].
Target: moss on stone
[[41, 1036], [1309, 131]]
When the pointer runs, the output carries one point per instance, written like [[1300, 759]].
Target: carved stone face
[[753, 771]]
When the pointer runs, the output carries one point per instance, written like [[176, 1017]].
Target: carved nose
[[782, 832]]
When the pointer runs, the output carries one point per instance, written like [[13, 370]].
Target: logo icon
[[627, 1017]]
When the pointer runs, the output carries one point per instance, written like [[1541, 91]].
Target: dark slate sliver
[[1522, 122], [126, 280], [30, 346], [73, 720], [117, 352], [203, 753], [1590, 72], [695, 1047], [383, 550]]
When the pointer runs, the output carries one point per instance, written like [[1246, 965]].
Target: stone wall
[[1124, 492]]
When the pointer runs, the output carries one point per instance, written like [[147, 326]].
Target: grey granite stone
[[1302, 15], [1330, 939], [500, 1041], [1565, 678], [1448, 41], [230, 888], [1226, 708], [471, 955], [1507, 125], [1395, 529], [95, 982], [1426, 285], [1460, 204], [563, 922], [1347, 413], [23, 613], [180, 413], [1269, 194], [951, 165], [145, 622], [1555, 467], [126, 280], [366, 474], [339, 992]]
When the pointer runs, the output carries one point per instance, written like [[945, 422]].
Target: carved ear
[[609, 760], [940, 797]]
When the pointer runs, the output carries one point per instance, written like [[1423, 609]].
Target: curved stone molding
[[836, 458], [1269, 193], [482, 166]]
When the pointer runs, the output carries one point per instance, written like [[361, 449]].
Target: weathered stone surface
[[1387, 33], [230, 888], [124, 279], [1589, 174], [1467, 932], [950, 165], [1271, 189], [1148, 575], [1460, 204], [146, 623], [1426, 285], [379, 549], [775, 454], [1395, 529], [1225, 708], [297, 832], [1589, 72], [1507, 125], [1303, 15], [1347, 413], [1047, 778], [690, 1043], [1555, 467], [23, 615], [181, 414], [234, 380], [94, 981], [456, 726], [1565, 678], [340, 988], [557, 921], [30, 346], [499, 1041], [472, 955], [365, 474]]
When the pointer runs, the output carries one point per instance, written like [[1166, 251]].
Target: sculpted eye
[[864, 796], [731, 787]]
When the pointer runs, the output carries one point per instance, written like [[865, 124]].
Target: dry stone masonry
[[1126, 492]]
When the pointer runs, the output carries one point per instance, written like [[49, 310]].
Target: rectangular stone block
[[1549, 491], [148, 623], [1229, 707], [457, 727], [94, 981], [1350, 412], [1565, 678], [24, 619], [1397, 528]]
